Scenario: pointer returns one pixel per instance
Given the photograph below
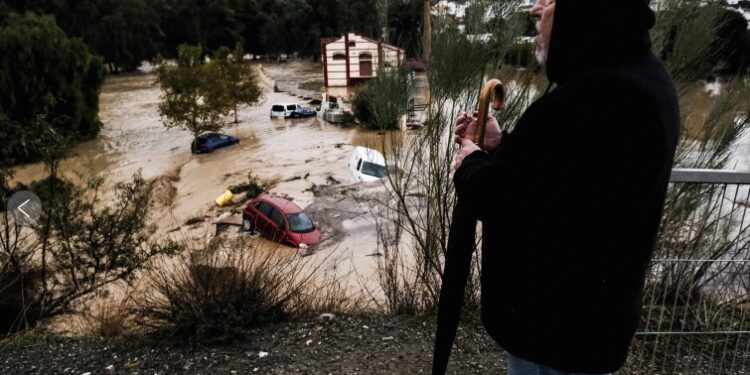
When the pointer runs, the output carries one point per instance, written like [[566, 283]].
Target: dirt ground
[[344, 345]]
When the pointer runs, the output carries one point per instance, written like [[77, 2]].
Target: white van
[[367, 165], [284, 109]]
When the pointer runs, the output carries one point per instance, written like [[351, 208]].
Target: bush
[[18, 286], [108, 317], [361, 108], [379, 104], [44, 74], [220, 296], [75, 248]]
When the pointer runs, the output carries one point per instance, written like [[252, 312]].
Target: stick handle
[[493, 86]]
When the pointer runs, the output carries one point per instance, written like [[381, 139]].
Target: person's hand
[[466, 126], [467, 148]]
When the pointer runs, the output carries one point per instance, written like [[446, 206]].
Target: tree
[[126, 36], [405, 20], [731, 39], [380, 104], [241, 85], [362, 16], [195, 97], [210, 23], [44, 74]]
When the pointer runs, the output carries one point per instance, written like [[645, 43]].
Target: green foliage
[[195, 95], [379, 104], [126, 32], [361, 107], [125, 35], [698, 40], [732, 40], [123, 32], [241, 85], [270, 27], [78, 245], [46, 77], [404, 20], [212, 23]]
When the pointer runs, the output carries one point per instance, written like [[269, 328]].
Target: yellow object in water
[[224, 199]]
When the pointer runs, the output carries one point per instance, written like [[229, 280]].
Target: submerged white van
[[283, 109], [367, 165]]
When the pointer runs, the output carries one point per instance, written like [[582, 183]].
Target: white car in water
[[284, 109], [367, 165]]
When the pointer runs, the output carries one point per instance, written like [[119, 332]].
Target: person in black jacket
[[571, 200]]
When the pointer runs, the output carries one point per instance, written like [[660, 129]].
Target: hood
[[310, 238], [589, 35]]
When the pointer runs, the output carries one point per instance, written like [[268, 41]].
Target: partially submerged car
[[208, 142], [303, 112], [284, 110], [367, 165], [280, 220]]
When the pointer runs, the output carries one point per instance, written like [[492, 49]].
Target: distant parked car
[[284, 110], [208, 142], [303, 112], [367, 165], [280, 220]]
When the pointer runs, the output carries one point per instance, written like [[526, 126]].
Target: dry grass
[[108, 317], [218, 295]]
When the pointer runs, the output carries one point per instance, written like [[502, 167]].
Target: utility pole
[[426, 33]]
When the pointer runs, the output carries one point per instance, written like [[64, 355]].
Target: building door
[[365, 65]]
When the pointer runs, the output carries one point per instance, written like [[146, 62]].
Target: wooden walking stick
[[461, 241]]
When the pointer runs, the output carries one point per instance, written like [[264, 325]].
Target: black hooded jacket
[[571, 199]]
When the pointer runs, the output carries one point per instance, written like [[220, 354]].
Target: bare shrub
[[217, 296], [79, 245], [110, 316]]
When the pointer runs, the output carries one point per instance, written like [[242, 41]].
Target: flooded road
[[307, 158], [298, 154]]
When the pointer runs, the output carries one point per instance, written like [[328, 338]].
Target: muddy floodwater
[[298, 154], [306, 158]]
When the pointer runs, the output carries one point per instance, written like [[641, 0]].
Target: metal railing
[[696, 309]]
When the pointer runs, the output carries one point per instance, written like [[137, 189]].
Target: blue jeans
[[520, 366]]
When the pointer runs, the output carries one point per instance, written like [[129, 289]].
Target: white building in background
[[354, 58], [449, 8]]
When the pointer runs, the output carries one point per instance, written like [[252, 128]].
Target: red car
[[280, 220]]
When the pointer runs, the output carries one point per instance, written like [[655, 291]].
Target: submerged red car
[[280, 220]]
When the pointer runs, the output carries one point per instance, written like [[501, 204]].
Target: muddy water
[[297, 153], [132, 136]]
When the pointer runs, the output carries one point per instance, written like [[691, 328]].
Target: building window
[[365, 65], [339, 56]]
